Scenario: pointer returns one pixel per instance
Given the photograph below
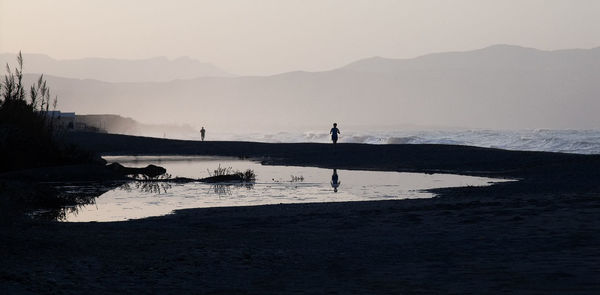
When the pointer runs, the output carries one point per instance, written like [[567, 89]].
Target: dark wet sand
[[540, 235]]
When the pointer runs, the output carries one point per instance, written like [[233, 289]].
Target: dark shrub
[[27, 136]]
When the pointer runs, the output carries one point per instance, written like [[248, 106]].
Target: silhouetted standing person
[[335, 181], [202, 133], [334, 133]]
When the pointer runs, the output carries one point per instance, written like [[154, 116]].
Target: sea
[[564, 141]]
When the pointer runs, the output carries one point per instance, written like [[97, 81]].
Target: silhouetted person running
[[334, 133], [202, 133], [335, 181]]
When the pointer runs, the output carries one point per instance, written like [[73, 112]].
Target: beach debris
[[298, 178], [227, 174], [150, 171]]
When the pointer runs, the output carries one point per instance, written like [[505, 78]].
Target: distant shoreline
[[426, 158]]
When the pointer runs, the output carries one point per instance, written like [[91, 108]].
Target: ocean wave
[[402, 140]]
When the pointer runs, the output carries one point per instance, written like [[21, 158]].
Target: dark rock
[[150, 170]]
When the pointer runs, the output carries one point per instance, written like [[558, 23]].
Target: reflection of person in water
[[335, 181]]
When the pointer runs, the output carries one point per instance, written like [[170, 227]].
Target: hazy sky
[[267, 37]]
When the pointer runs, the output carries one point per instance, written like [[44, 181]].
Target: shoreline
[[537, 172], [536, 235], [389, 157]]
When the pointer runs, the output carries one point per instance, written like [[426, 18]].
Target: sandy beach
[[539, 235], [300, 147]]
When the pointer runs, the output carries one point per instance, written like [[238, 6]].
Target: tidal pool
[[274, 185]]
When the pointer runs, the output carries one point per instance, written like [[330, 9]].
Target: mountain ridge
[[155, 69], [497, 90], [433, 59]]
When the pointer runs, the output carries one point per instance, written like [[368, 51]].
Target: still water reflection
[[335, 181], [274, 185]]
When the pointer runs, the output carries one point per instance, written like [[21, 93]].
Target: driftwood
[[212, 179], [150, 170], [153, 173], [224, 178]]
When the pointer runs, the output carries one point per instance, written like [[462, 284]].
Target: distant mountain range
[[159, 69], [497, 57], [500, 86], [120, 125]]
